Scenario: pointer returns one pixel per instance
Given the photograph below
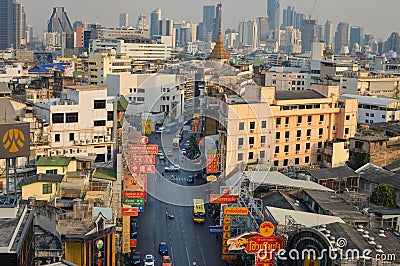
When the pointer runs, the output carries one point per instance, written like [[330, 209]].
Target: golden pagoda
[[219, 51]]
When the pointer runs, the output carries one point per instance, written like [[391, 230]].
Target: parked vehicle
[[172, 168]]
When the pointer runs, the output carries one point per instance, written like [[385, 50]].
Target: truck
[[175, 143]]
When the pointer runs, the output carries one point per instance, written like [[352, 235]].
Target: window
[[320, 131], [99, 104], [57, 118], [252, 125], [110, 115], [309, 119], [240, 141], [286, 149], [276, 163], [263, 124], [383, 116], [99, 123], [262, 139], [287, 120], [71, 118], [319, 157], [240, 156], [251, 155], [71, 136], [321, 118], [285, 162], [51, 171], [367, 114], [278, 135], [299, 119], [298, 133], [276, 149], [307, 145], [56, 137], [372, 114], [366, 121], [287, 134], [278, 121], [241, 126], [297, 147], [251, 140], [347, 117], [46, 189], [308, 132], [320, 145], [262, 154], [296, 161], [307, 159], [346, 130]]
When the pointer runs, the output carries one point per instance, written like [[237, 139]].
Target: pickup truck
[[172, 168]]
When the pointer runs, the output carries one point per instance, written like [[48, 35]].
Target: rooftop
[[284, 200], [332, 173], [378, 175], [105, 174], [370, 100], [298, 95], [394, 166], [41, 178], [53, 161]]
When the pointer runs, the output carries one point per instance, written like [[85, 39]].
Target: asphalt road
[[187, 241]]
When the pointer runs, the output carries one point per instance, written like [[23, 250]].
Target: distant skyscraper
[[321, 33], [123, 20], [341, 36], [328, 33], [59, 21], [141, 23], [208, 17], [309, 34], [154, 20], [273, 11], [392, 43], [248, 33], [263, 29], [11, 27], [288, 16], [216, 22], [356, 36]]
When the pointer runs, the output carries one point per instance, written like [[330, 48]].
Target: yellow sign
[[227, 227], [227, 220], [229, 257], [227, 235], [267, 229], [225, 251], [146, 126], [13, 140], [236, 211], [126, 227]]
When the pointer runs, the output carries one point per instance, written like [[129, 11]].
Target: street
[[187, 241]]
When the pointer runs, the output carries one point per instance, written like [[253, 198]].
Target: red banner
[[134, 194], [134, 211], [266, 244], [143, 159], [133, 243], [212, 163], [146, 169], [135, 149], [223, 199]]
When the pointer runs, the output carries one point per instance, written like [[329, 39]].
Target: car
[[161, 156], [169, 153], [190, 179], [160, 130], [166, 261], [163, 248], [149, 260], [135, 258], [172, 168]]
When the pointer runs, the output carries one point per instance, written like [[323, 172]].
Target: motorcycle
[[170, 216]]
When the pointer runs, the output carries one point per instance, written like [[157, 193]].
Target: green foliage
[[383, 195]]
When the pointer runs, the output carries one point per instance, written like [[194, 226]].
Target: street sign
[[134, 211], [134, 195], [215, 230], [126, 234], [133, 202], [143, 159], [257, 243], [227, 234], [212, 162], [141, 208], [147, 169], [236, 211], [227, 227], [227, 220], [135, 149], [133, 243], [143, 140], [223, 199], [229, 257]]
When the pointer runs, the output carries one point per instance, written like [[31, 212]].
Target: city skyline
[[234, 12]]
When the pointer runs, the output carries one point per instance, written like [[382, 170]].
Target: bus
[[199, 211], [171, 127]]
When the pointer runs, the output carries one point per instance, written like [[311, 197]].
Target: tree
[[383, 195]]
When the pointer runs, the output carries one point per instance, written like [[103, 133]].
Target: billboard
[[132, 183], [143, 159], [223, 199], [126, 234], [146, 169], [236, 211], [135, 149], [258, 243], [212, 162], [134, 194], [15, 140], [133, 202], [134, 211]]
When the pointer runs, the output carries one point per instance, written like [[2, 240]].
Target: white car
[[160, 130], [172, 168], [149, 260]]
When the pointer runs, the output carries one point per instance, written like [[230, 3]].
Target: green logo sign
[[134, 202]]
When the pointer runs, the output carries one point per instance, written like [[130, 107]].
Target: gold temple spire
[[219, 51]]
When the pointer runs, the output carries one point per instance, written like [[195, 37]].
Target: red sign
[[133, 243], [212, 163], [142, 149], [266, 244], [143, 159], [223, 199], [143, 140], [134, 211], [134, 194], [146, 169]]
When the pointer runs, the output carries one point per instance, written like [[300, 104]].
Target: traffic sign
[[223, 199], [133, 202], [215, 230], [134, 211], [141, 208]]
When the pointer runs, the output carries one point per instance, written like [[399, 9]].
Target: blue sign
[[141, 208], [215, 230]]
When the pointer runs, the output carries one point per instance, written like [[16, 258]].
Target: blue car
[[163, 248]]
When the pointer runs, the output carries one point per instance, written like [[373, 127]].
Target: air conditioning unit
[[277, 140], [286, 125], [76, 142], [320, 136], [240, 146], [95, 140], [308, 137], [319, 150], [298, 124], [108, 138], [286, 153], [287, 140], [251, 146], [251, 130], [276, 154], [320, 122], [309, 123], [262, 144], [298, 138]]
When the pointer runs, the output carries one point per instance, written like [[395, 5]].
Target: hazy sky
[[378, 17]]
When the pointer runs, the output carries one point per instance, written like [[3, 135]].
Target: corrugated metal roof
[[370, 100]]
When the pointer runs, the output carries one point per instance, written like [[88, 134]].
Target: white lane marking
[[187, 254], [201, 250]]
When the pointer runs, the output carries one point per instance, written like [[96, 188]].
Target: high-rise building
[[342, 37], [309, 34], [273, 11], [392, 43], [248, 33], [11, 27], [166, 28], [288, 16], [141, 23], [208, 17], [321, 33], [155, 17], [216, 22], [328, 33], [59, 21], [123, 20], [356, 36], [263, 29]]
